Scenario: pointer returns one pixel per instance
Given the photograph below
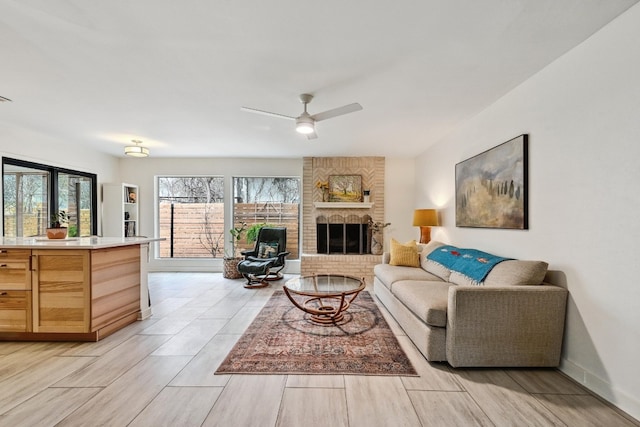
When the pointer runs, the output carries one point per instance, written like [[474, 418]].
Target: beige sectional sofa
[[511, 319]]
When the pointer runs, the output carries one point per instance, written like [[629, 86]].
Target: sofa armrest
[[386, 258], [505, 326]]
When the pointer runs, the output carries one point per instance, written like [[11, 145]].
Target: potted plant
[[57, 230], [232, 257], [252, 232]]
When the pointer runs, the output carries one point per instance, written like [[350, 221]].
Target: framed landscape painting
[[491, 187], [345, 188]]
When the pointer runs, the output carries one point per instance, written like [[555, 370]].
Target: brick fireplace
[[340, 221]]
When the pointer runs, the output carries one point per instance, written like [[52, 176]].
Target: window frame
[[234, 199], [52, 190], [157, 210]]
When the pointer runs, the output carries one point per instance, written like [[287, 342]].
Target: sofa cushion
[[404, 254], [430, 266], [427, 300], [461, 280], [472, 263], [429, 247], [437, 269], [517, 272], [388, 274]]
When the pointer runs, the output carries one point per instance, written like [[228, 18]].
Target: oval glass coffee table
[[324, 296]]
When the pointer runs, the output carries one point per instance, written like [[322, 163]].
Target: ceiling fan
[[305, 122]]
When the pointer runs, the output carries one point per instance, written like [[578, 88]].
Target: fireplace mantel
[[342, 205]]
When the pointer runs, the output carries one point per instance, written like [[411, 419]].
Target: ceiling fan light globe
[[305, 128], [304, 125]]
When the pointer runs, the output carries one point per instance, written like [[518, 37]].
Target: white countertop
[[41, 242]]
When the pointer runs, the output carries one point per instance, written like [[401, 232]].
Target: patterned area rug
[[281, 340]]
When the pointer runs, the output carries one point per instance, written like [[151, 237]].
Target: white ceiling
[[174, 74]]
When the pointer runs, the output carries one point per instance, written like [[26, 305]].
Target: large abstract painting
[[491, 187]]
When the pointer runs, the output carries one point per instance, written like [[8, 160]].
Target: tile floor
[[159, 372]]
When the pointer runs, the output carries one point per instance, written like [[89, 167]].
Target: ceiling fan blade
[[346, 109], [313, 135], [267, 113]]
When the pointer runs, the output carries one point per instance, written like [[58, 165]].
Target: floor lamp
[[425, 219]]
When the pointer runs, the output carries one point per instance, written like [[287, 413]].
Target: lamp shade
[[425, 217]]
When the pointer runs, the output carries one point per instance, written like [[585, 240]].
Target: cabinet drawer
[[15, 274], [7, 254], [15, 311]]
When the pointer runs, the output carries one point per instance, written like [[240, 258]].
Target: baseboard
[[618, 398], [144, 314], [291, 267]]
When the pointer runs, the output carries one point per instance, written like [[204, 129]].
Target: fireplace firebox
[[339, 234]]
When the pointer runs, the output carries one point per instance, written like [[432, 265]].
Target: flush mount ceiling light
[[136, 150]]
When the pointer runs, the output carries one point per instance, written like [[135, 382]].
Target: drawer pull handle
[[3, 265], [3, 294]]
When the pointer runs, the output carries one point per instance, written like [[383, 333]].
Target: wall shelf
[[120, 210], [342, 205]]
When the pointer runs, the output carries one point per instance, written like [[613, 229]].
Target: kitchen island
[[75, 289]]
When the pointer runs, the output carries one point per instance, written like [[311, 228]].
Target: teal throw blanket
[[472, 263]]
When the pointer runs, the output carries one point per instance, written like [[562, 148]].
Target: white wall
[[399, 200], [23, 144], [19, 143], [582, 114]]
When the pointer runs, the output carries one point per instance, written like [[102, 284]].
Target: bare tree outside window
[[272, 189], [25, 203], [191, 212], [268, 201], [191, 216]]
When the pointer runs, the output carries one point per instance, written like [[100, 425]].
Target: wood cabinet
[[61, 294], [15, 269], [69, 294], [15, 311], [15, 294], [120, 210], [115, 288]]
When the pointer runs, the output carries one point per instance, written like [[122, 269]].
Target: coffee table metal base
[[322, 312]]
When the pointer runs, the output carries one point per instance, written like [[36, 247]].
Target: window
[[272, 201], [191, 216], [32, 192]]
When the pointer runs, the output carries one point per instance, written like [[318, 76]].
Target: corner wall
[[582, 114]]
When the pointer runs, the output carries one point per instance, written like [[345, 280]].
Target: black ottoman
[[255, 272]]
